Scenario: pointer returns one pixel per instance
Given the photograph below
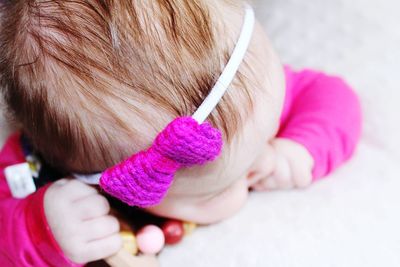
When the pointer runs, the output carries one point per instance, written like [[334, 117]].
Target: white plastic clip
[[20, 180]]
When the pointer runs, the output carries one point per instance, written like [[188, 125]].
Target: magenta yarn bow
[[144, 179]]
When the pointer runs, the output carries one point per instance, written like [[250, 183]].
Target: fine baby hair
[[84, 80], [144, 179]]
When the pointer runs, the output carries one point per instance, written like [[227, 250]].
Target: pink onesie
[[321, 112]]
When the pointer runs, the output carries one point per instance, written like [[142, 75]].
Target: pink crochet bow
[[144, 179]]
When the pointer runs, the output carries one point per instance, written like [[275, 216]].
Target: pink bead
[[150, 239]]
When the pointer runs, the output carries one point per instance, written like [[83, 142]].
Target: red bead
[[173, 231]]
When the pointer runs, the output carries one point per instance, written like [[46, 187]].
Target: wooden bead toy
[[145, 236]]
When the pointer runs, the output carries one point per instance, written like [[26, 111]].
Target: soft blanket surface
[[352, 218]]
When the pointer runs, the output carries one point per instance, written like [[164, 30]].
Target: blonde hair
[[75, 74]]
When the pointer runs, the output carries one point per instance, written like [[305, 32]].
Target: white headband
[[230, 70], [220, 87]]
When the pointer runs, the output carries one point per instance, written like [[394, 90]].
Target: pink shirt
[[321, 112]]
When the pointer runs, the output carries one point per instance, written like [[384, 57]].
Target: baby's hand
[[78, 217], [293, 167]]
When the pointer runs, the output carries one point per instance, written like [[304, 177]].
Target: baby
[[92, 83]]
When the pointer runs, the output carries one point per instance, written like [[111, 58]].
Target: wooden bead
[[129, 242], [189, 227], [173, 231]]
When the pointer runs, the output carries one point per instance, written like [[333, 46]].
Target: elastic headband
[[144, 179]]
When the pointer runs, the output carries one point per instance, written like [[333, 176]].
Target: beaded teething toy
[[144, 179], [141, 247]]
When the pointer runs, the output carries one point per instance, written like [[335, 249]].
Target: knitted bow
[[144, 179]]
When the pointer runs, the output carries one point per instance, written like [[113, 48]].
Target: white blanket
[[351, 219]]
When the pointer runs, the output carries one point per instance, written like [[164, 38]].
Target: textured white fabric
[[351, 219]]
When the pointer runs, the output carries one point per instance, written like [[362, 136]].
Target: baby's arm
[[321, 122], [25, 238], [64, 220]]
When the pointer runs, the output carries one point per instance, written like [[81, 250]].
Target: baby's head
[[93, 82]]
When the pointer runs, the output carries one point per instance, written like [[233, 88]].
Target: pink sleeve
[[25, 237], [323, 114]]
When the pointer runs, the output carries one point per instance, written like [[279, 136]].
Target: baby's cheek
[[209, 211], [225, 205]]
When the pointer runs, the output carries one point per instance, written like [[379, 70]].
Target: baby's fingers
[[74, 189], [282, 174], [301, 174], [92, 207], [301, 170], [279, 179], [265, 184], [100, 228], [101, 249]]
